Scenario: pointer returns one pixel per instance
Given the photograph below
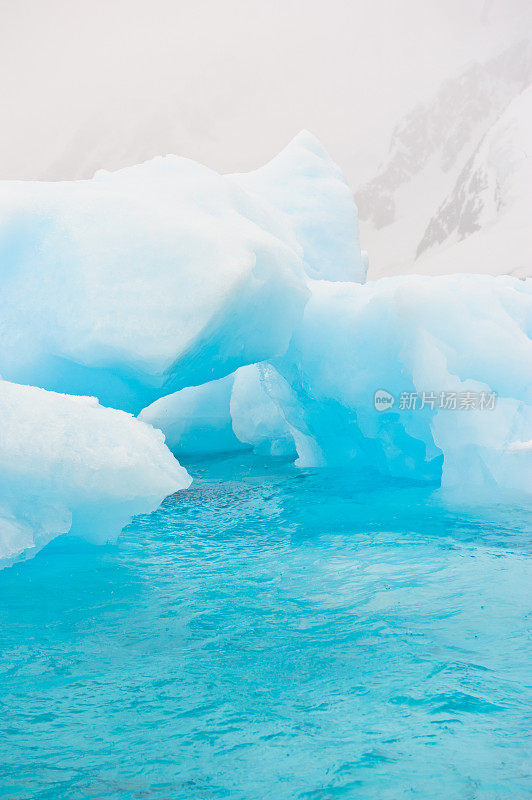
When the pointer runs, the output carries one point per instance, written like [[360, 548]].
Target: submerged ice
[[231, 312]]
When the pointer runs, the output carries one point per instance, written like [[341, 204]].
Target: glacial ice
[[67, 463], [304, 183], [238, 412], [455, 333], [464, 336], [164, 275], [232, 310], [196, 420]]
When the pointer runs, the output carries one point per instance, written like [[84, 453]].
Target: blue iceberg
[[231, 313]]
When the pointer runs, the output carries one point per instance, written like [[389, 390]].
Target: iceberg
[[131, 285], [453, 353], [257, 413], [450, 355], [309, 188], [231, 313], [141, 282], [69, 464], [196, 420], [238, 412]]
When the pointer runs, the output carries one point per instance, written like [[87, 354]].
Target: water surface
[[273, 633]]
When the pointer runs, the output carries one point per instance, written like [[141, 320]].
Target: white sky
[[104, 83]]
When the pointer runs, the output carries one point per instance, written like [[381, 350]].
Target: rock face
[[431, 154], [491, 200]]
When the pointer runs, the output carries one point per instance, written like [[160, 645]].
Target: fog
[[108, 83]]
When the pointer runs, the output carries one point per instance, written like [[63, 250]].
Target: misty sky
[[105, 83]]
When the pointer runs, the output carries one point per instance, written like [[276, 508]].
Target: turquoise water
[[272, 633]]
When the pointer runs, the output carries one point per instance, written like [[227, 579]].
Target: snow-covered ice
[[67, 463]]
